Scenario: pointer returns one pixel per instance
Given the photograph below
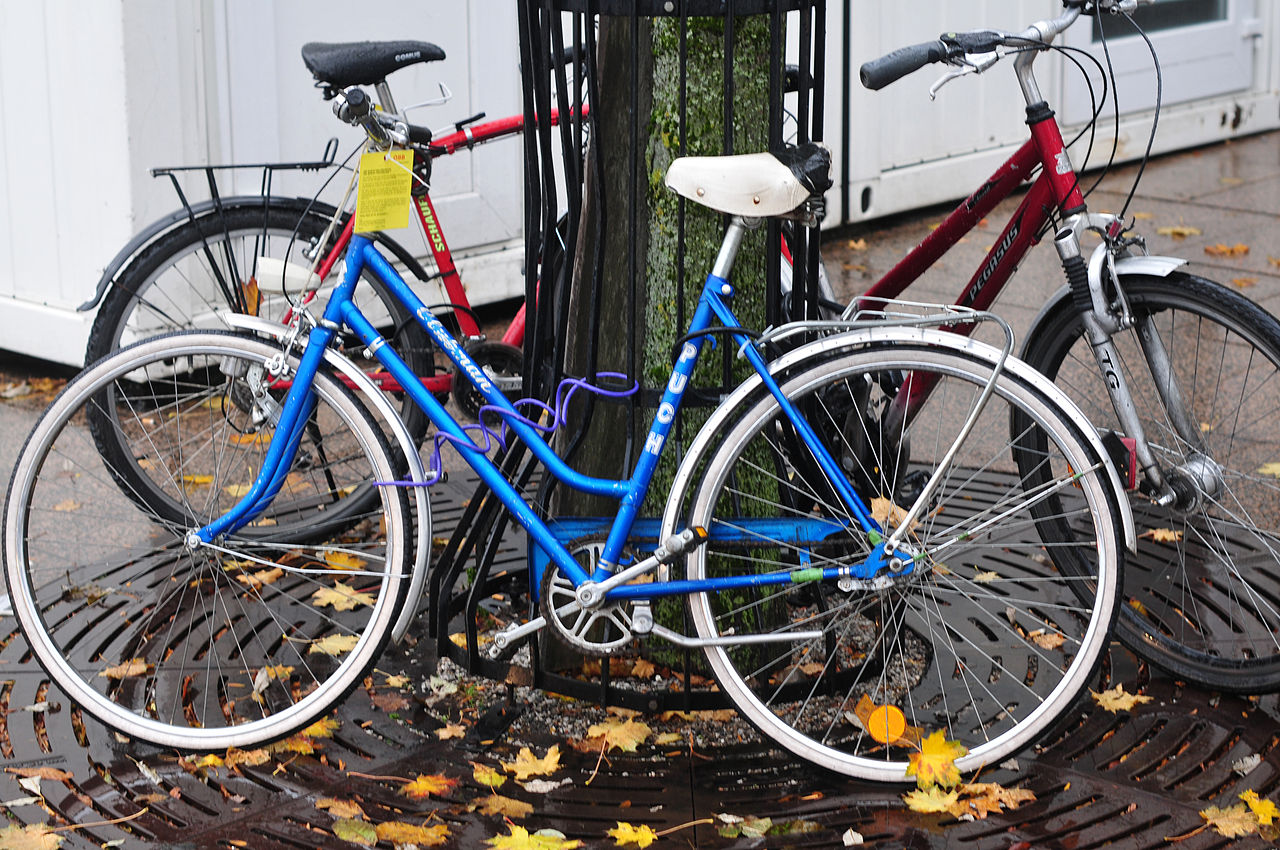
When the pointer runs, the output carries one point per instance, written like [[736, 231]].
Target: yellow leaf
[[67, 505], [342, 596], [486, 775], [1275, 261], [343, 561], [1162, 535], [252, 296], [1179, 231], [451, 730], [133, 667], [322, 728], [198, 480], [986, 577], [1232, 822], [526, 764], [643, 669], [356, 831], [237, 491], [1263, 809], [207, 760], [1244, 282], [399, 833], [299, 743], [935, 763], [1221, 250], [625, 833], [857, 244], [544, 839], [496, 804], [618, 734], [424, 786], [397, 681], [1272, 469], [1117, 699], [250, 439], [666, 739], [335, 644], [1143, 216], [33, 837], [932, 800]]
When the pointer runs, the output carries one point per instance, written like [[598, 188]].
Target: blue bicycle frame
[[712, 305]]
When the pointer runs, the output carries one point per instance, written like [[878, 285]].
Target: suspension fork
[[1102, 321]]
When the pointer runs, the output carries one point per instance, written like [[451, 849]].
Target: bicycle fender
[[417, 472], [889, 335], [1149, 266]]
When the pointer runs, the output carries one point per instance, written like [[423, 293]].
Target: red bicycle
[[1181, 376]]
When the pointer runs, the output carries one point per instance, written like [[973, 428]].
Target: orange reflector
[[886, 724]]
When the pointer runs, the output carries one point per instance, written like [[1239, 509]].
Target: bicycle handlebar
[[355, 108], [892, 67]]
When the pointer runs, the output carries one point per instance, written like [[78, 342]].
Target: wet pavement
[[1132, 779]]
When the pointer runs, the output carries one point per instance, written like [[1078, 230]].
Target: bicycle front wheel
[[1202, 594], [989, 636], [234, 643]]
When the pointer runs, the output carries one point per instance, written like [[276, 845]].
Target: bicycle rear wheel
[[233, 643], [1202, 594], [990, 637]]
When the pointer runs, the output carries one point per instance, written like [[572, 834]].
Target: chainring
[[598, 631]]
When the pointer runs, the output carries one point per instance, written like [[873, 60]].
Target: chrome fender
[[941, 339], [378, 402]]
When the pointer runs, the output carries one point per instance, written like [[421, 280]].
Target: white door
[[1206, 49]]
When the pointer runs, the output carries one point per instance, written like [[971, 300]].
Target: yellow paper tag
[[382, 198]]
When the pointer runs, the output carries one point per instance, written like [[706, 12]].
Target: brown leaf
[[33, 837], [1223, 250], [451, 730], [340, 808], [496, 804], [51, 773], [1244, 282], [389, 702], [133, 667], [643, 669], [255, 580], [1046, 639], [1232, 822]]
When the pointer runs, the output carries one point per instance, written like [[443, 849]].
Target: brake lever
[[973, 63]]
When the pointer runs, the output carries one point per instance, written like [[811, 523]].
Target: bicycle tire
[[1201, 602], [219, 646], [991, 646], [173, 284]]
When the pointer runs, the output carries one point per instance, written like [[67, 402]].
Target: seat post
[[384, 97], [729, 247]]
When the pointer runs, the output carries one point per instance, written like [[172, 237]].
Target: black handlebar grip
[[358, 105], [419, 135], [878, 73]]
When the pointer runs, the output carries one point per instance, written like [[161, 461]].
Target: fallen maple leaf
[[885, 512], [67, 505], [1232, 822], [133, 667], [249, 758], [1179, 231], [486, 775], [340, 808], [986, 577], [625, 833], [1222, 250], [526, 764], [451, 730], [1244, 282], [356, 831], [335, 644], [1008, 797], [544, 839], [255, 580], [424, 786], [935, 763], [1272, 469], [931, 800], [342, 596], [617, 734], [400, 834], [1264, 810], [1162, 535], [397, 681], [322, 728], [343, 561], [1117, 699], [33, 837], [1046, 639], [496, 804], [643, 669], [53, 774], [197, 480]]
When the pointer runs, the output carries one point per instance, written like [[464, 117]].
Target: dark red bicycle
[[1180, 374]]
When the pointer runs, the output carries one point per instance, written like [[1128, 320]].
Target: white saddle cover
[[754, 184]]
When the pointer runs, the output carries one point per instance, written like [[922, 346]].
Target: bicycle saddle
[[755, 184], [356, 63]]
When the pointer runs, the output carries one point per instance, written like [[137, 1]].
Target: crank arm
[[512, 634]]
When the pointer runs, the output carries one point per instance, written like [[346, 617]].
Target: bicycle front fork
[[1103, 317]]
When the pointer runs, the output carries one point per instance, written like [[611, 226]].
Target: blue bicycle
[[208, 536]]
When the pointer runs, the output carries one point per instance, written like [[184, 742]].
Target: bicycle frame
[[1056, 188], [712, 306]]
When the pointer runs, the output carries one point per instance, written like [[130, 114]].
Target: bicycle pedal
[[1123, 454]]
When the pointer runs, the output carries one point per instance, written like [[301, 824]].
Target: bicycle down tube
[[630, 492]]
